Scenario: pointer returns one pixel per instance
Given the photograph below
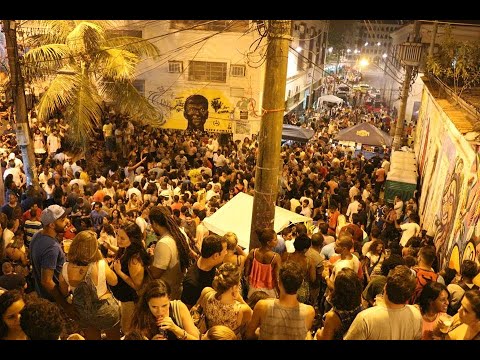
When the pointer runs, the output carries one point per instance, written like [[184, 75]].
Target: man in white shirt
[[53, 143], [392, 319], [410, 229], [386, 164], [398, 207], [353, 207], [19, 177]]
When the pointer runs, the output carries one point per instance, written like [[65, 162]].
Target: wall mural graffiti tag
[[448, 210], [161, 100]]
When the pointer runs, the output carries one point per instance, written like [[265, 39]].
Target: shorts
[[106, 317]]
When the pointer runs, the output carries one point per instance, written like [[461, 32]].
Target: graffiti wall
[[450, 193], [215, 110]]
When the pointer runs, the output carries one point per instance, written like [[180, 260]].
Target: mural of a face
[[196, 112]]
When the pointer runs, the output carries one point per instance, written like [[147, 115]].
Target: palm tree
[[88, 67]]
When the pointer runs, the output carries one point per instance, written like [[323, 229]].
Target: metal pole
[[268, 158]]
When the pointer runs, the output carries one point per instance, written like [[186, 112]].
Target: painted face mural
[[200, 109]]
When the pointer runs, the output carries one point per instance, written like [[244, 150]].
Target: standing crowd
[[113, 245]]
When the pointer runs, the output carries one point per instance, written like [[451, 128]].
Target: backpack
[[423, 277], [453, 309], [85, 298]]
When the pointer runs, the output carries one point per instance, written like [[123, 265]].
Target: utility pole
[[432, 41], [16, 82], [268, 158], [397, 140]]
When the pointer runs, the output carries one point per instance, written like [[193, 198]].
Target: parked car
[[363, 88]]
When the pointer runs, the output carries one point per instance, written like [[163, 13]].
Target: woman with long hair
[[85, 260], [116, 218], [129, 264], [433, 303], [11, 304], [346, 301], [156, 316]]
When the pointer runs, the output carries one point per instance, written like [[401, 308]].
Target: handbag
[[198, 313], [199, 318]]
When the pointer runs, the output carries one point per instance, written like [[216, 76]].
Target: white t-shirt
[[409, 230], [166, 258], [382, 323]]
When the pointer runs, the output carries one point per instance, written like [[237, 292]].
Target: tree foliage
[[87, 67], [456, 63]]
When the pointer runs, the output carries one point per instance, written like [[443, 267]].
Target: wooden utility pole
[[397, 140], [18, 87], [432, 41], [270, 136]]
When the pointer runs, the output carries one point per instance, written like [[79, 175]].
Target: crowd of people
[[113, 244]]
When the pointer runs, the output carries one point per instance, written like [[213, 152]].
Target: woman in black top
[[130, 262]]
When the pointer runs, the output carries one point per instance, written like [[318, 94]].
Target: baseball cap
[[53, 213]]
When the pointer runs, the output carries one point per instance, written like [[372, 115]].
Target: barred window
[[175, 66], [207, 71], [237, 70]]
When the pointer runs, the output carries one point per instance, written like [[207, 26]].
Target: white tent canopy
[[236, 216], [329, 98]]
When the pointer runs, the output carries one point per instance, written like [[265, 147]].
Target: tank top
[[283, 323], [346, 318], [122, 291], [218, 313], [261, 275], [101, 282]]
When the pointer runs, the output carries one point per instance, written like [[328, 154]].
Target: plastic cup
[[444, 323], [66, 245]]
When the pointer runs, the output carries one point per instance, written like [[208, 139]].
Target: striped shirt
[[31, 227], [283, 323]]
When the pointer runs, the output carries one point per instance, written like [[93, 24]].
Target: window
[[140, 86], [237, 70], [175, 66], [207, 71]]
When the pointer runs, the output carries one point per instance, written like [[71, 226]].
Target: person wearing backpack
[[424, 272], [86, 276], [468, 271]]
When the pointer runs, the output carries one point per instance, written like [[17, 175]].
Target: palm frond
[[58, 95], [127, 100], [140, 47], [116, 64], [83, 113], [85, 38], [55, 31], [43, 60]]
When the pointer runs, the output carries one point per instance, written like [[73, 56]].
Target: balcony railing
[[410, 53]]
